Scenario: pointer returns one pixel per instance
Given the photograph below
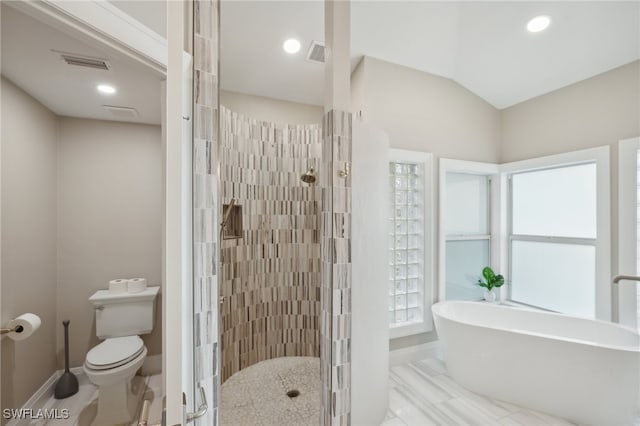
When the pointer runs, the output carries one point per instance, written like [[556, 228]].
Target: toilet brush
[[67, 383]]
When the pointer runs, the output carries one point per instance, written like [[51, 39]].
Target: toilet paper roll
[[118, 286], [27, 324], [137, 285]]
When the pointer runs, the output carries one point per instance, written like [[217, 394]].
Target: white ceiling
[[484, 46], [251, 57], [152, 13], [28, 61]]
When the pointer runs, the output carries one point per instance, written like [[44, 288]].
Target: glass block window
[[406, 251]]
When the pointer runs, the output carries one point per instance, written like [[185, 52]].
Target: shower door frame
[[97, 21]]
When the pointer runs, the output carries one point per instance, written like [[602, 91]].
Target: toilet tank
[[124, 314]]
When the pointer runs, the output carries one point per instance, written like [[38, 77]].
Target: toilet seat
[[114, 352]]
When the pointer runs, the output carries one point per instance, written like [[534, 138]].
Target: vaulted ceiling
[[484, 46]]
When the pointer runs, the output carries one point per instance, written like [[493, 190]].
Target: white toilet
[[111, 365]]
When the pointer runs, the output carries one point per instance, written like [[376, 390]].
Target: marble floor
[[257, 395], [82, 406], [422, 393]]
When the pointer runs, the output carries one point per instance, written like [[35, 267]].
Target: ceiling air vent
[[121, 112], [316, 52], [84, 61]]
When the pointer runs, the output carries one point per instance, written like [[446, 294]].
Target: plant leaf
[[488, 274]]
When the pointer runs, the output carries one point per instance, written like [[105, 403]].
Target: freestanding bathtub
[[583, 370]]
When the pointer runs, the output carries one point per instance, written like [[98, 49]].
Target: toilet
[[111, 365]]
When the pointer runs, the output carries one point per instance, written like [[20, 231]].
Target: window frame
[[628, 229], [491, 170], [426, 159], [600, 157]]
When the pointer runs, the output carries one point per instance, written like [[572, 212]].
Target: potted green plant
[[491, 281]]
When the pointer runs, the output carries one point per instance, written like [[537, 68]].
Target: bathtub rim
[[437, 308]]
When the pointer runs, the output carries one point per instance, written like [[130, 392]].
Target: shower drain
[[293, 393]]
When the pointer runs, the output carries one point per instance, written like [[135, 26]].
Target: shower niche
[[231, 221]]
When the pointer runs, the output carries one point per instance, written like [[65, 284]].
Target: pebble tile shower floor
[[257, 395]]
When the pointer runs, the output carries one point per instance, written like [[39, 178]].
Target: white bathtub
[[583, 370]]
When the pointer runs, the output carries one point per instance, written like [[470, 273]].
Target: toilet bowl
[[111, 366]]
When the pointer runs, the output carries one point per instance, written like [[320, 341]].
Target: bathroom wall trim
[[414, 353], [152, 365], [44, 392]]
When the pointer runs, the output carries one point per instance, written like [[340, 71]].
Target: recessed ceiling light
[[106, 89], [539, 23], [291, 46]]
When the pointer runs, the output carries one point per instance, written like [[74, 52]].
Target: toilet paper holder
[[17, 329]]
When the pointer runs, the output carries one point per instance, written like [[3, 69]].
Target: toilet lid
[[114, 352]]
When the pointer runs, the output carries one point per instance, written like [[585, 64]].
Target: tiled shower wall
[[205, 235], [335, 323], [270, 276]]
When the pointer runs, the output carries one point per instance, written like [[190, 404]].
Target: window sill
[[410, 329]]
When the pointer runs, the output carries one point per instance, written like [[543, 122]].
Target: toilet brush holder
[[67, 384]]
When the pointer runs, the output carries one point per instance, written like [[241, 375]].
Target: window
[[466, 223], [553, 221], [629, 231], [558, 239], [638, 236], [543, 223], [468, 234], [409, 250]]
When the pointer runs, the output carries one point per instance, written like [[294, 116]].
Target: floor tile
[[422, 393]]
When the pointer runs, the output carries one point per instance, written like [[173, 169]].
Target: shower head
[[309, 177]]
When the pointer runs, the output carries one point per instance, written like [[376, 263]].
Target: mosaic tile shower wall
[[205, 235], [270, 273], [335, 322]]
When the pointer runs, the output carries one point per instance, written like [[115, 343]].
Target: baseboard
[[152, 365], [44, 392], [414, 353]]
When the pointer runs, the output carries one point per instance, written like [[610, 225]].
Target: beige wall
[[424, 112], [81, 204], [109, 219], [28, 241], [274, 110], [594, 112], [428, 113]]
